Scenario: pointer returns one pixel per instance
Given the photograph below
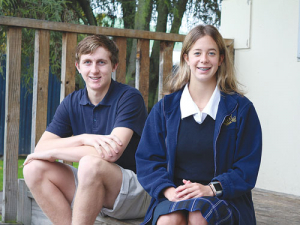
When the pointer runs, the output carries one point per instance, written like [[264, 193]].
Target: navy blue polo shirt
[[122, 106]]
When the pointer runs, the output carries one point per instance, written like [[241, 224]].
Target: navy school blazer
[[237, 152]]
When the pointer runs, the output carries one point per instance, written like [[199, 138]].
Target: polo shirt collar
[[105, 101], [188, 107]]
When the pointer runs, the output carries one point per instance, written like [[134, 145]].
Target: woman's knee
[[196, 218], [176, 218]]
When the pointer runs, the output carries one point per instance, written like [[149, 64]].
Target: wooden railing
[[40, 83]]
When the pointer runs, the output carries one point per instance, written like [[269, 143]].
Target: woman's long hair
[[225, 75]]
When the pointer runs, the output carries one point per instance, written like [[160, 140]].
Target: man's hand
[[106, 145], [46, 155]]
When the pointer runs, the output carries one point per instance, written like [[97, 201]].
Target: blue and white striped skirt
[[213, 209]]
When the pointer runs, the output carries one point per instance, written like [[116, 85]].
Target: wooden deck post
[[12, 120], [69, 44], [142, 68], [40, 85], [121, 70], [165, 64]]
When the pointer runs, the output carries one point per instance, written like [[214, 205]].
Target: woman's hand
[[170, 194], [192, 190]]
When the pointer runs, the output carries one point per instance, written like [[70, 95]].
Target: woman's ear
[[221, 59], [186, 58]]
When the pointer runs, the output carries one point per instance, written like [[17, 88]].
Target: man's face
[[96, 69]]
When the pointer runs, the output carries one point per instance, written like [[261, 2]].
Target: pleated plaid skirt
[[214, 210]]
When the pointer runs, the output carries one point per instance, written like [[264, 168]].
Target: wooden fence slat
[[165, 64], [121, 70], [69, 44], [142, 68], [12, 120], [40, 85]]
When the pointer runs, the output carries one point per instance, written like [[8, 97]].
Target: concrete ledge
[[29, 213]]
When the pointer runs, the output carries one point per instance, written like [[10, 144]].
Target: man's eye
[[87, 62]]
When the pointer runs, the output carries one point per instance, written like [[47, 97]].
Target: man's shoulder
[[75, 96], [122, 91]]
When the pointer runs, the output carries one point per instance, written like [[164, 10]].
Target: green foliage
[[52, 10]]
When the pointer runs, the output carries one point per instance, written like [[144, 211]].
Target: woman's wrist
[[169, 192]]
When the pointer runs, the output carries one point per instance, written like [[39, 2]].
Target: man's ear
[[115, 67], [77, 66]]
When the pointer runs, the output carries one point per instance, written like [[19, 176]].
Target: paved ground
[[271, 208]]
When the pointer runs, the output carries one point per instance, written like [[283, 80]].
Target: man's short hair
[[90, 43]]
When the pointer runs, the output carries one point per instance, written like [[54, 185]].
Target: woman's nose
[[203, 58]]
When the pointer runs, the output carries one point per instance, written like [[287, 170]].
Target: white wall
[[269, 69]]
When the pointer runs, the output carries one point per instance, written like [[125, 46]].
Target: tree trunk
[[142, 21], [162, 17], [88, 11], [178, 12]]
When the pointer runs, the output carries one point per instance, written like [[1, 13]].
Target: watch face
[[218, 186]]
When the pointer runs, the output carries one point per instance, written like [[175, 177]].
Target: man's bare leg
[[99, 184], [53, 187]]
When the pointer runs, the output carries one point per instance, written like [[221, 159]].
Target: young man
[[99, 127]]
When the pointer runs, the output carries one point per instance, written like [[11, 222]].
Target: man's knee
[[91, 169], [34, 172]]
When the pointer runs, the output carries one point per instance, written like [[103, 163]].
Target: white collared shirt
[[188, 106]]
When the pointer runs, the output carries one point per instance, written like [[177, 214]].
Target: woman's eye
[[197, 53], [212, 53]]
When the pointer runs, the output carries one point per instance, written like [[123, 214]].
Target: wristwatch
[[217, 188]]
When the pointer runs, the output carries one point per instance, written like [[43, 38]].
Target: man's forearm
[[72, 154], [50, 141]]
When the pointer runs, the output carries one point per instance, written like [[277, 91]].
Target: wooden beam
[[142, 68], [12, 120], [84, 29], [165, 64], [40, 85], [121, 70]]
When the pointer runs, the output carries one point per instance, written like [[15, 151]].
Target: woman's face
[[204, 60]]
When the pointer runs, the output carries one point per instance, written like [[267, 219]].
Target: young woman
[[200, 150]]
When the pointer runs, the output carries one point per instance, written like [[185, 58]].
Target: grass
[[20, 170]]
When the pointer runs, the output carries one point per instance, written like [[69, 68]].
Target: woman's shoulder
[[240, 99], [171, 100]]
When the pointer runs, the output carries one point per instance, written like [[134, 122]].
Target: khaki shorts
[[132, 201]]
